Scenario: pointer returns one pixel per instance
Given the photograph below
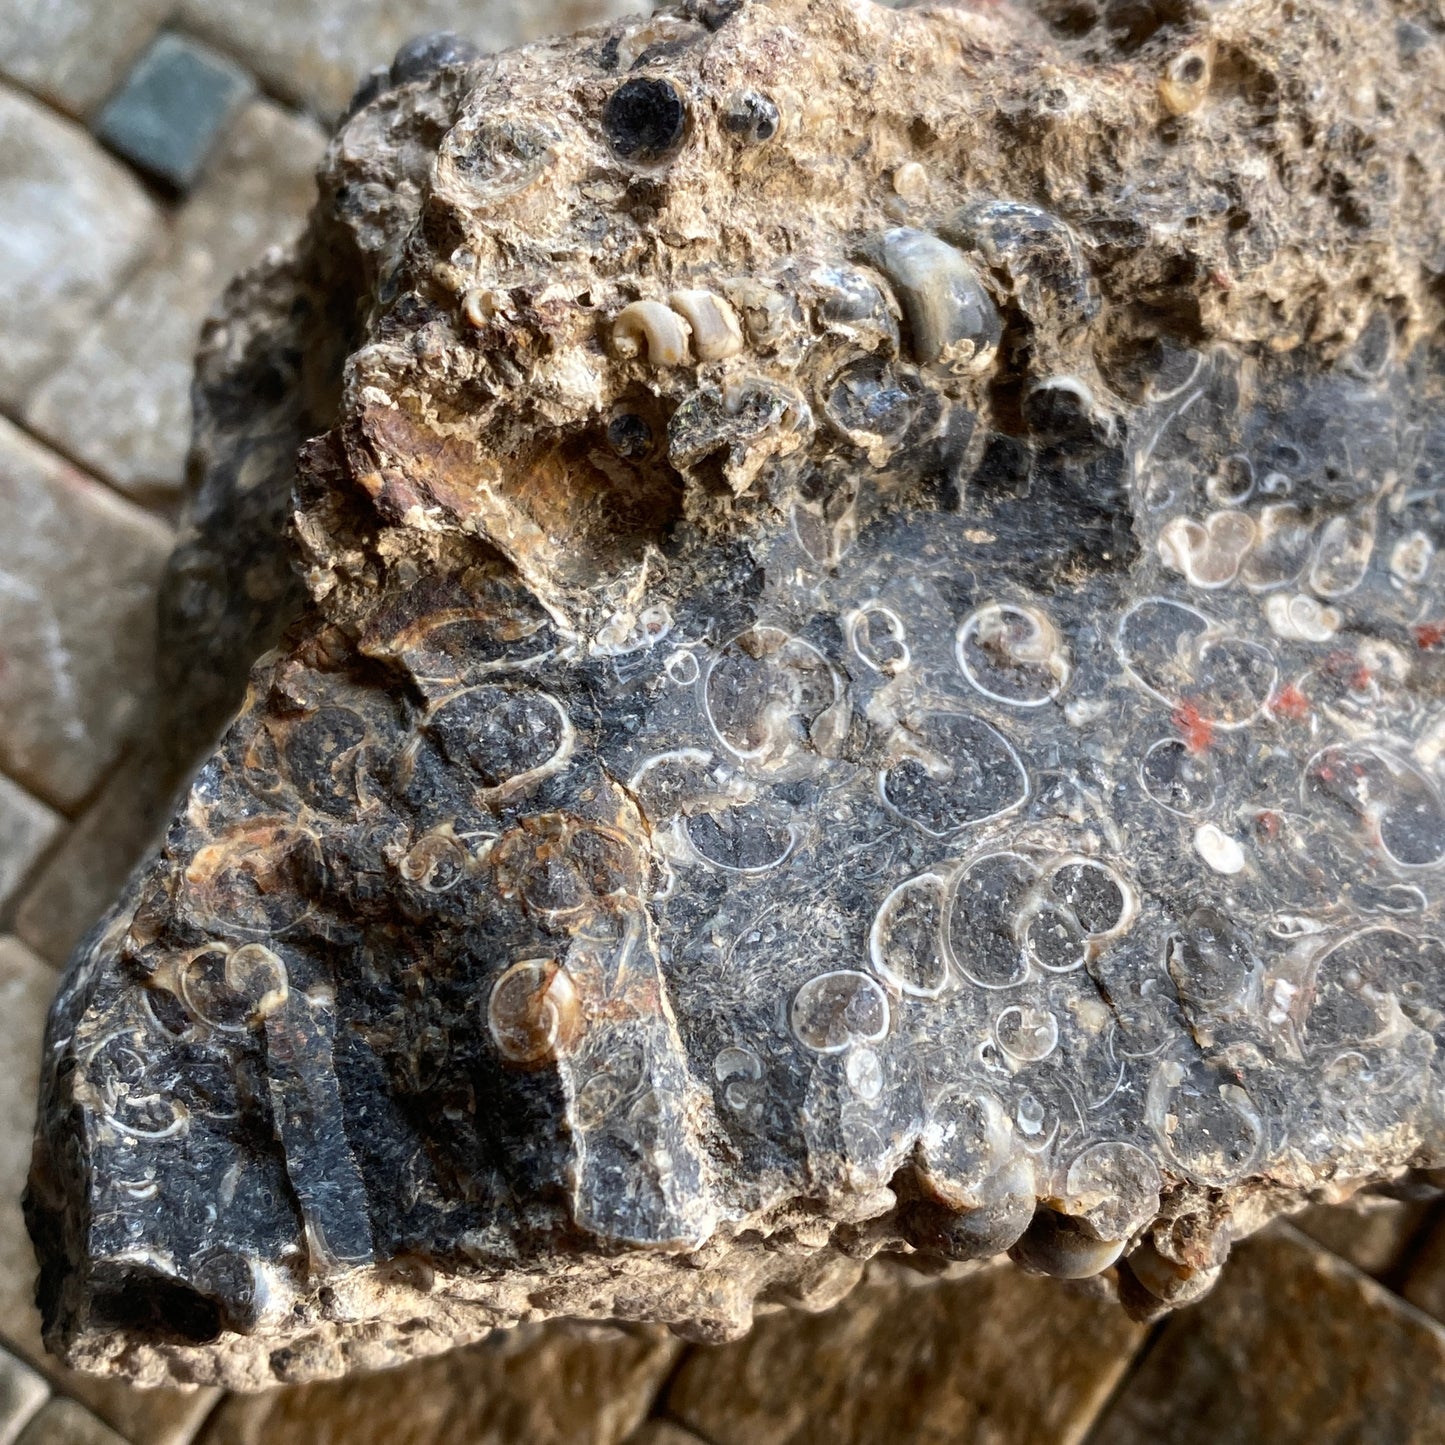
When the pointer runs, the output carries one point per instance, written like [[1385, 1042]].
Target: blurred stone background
[[148, 150]]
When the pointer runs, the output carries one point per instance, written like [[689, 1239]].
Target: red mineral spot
[[1289, 702], [1347, 668], [1429, 635], [1195, 729]]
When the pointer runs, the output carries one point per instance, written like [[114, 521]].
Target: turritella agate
[[865, 673]]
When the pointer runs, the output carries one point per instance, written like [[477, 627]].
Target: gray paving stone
[[558, 1385], [74, 53], [998, 1358], [75, 223], [1425, 1284], [22, 1392], [64, 1422], [315, 51], [1376, 1235], [142, 1417], [173, 107], [25, 988], [78, 882], [1293, 1347], [121, 402], [79, 568], [662, 1432], [27, 829]]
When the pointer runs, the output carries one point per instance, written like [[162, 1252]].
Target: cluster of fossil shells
[[868, 683]]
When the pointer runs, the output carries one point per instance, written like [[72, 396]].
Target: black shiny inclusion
[[645, 119]]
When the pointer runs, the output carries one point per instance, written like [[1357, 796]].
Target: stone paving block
[[1425, 1284], [662, 1432], [1293, 1347], [25, 988], [22, 1393], [559, 1385], [1000, 1356], [1375, 1235], [142, 1417], [76, 222], [27, 829], [64, 1422], [145, 1417], [121, 402], [173, 108], [78, 574], [74, 53], [314, 51], [85, 873]]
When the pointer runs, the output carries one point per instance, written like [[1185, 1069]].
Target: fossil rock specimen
[[868, 679]]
